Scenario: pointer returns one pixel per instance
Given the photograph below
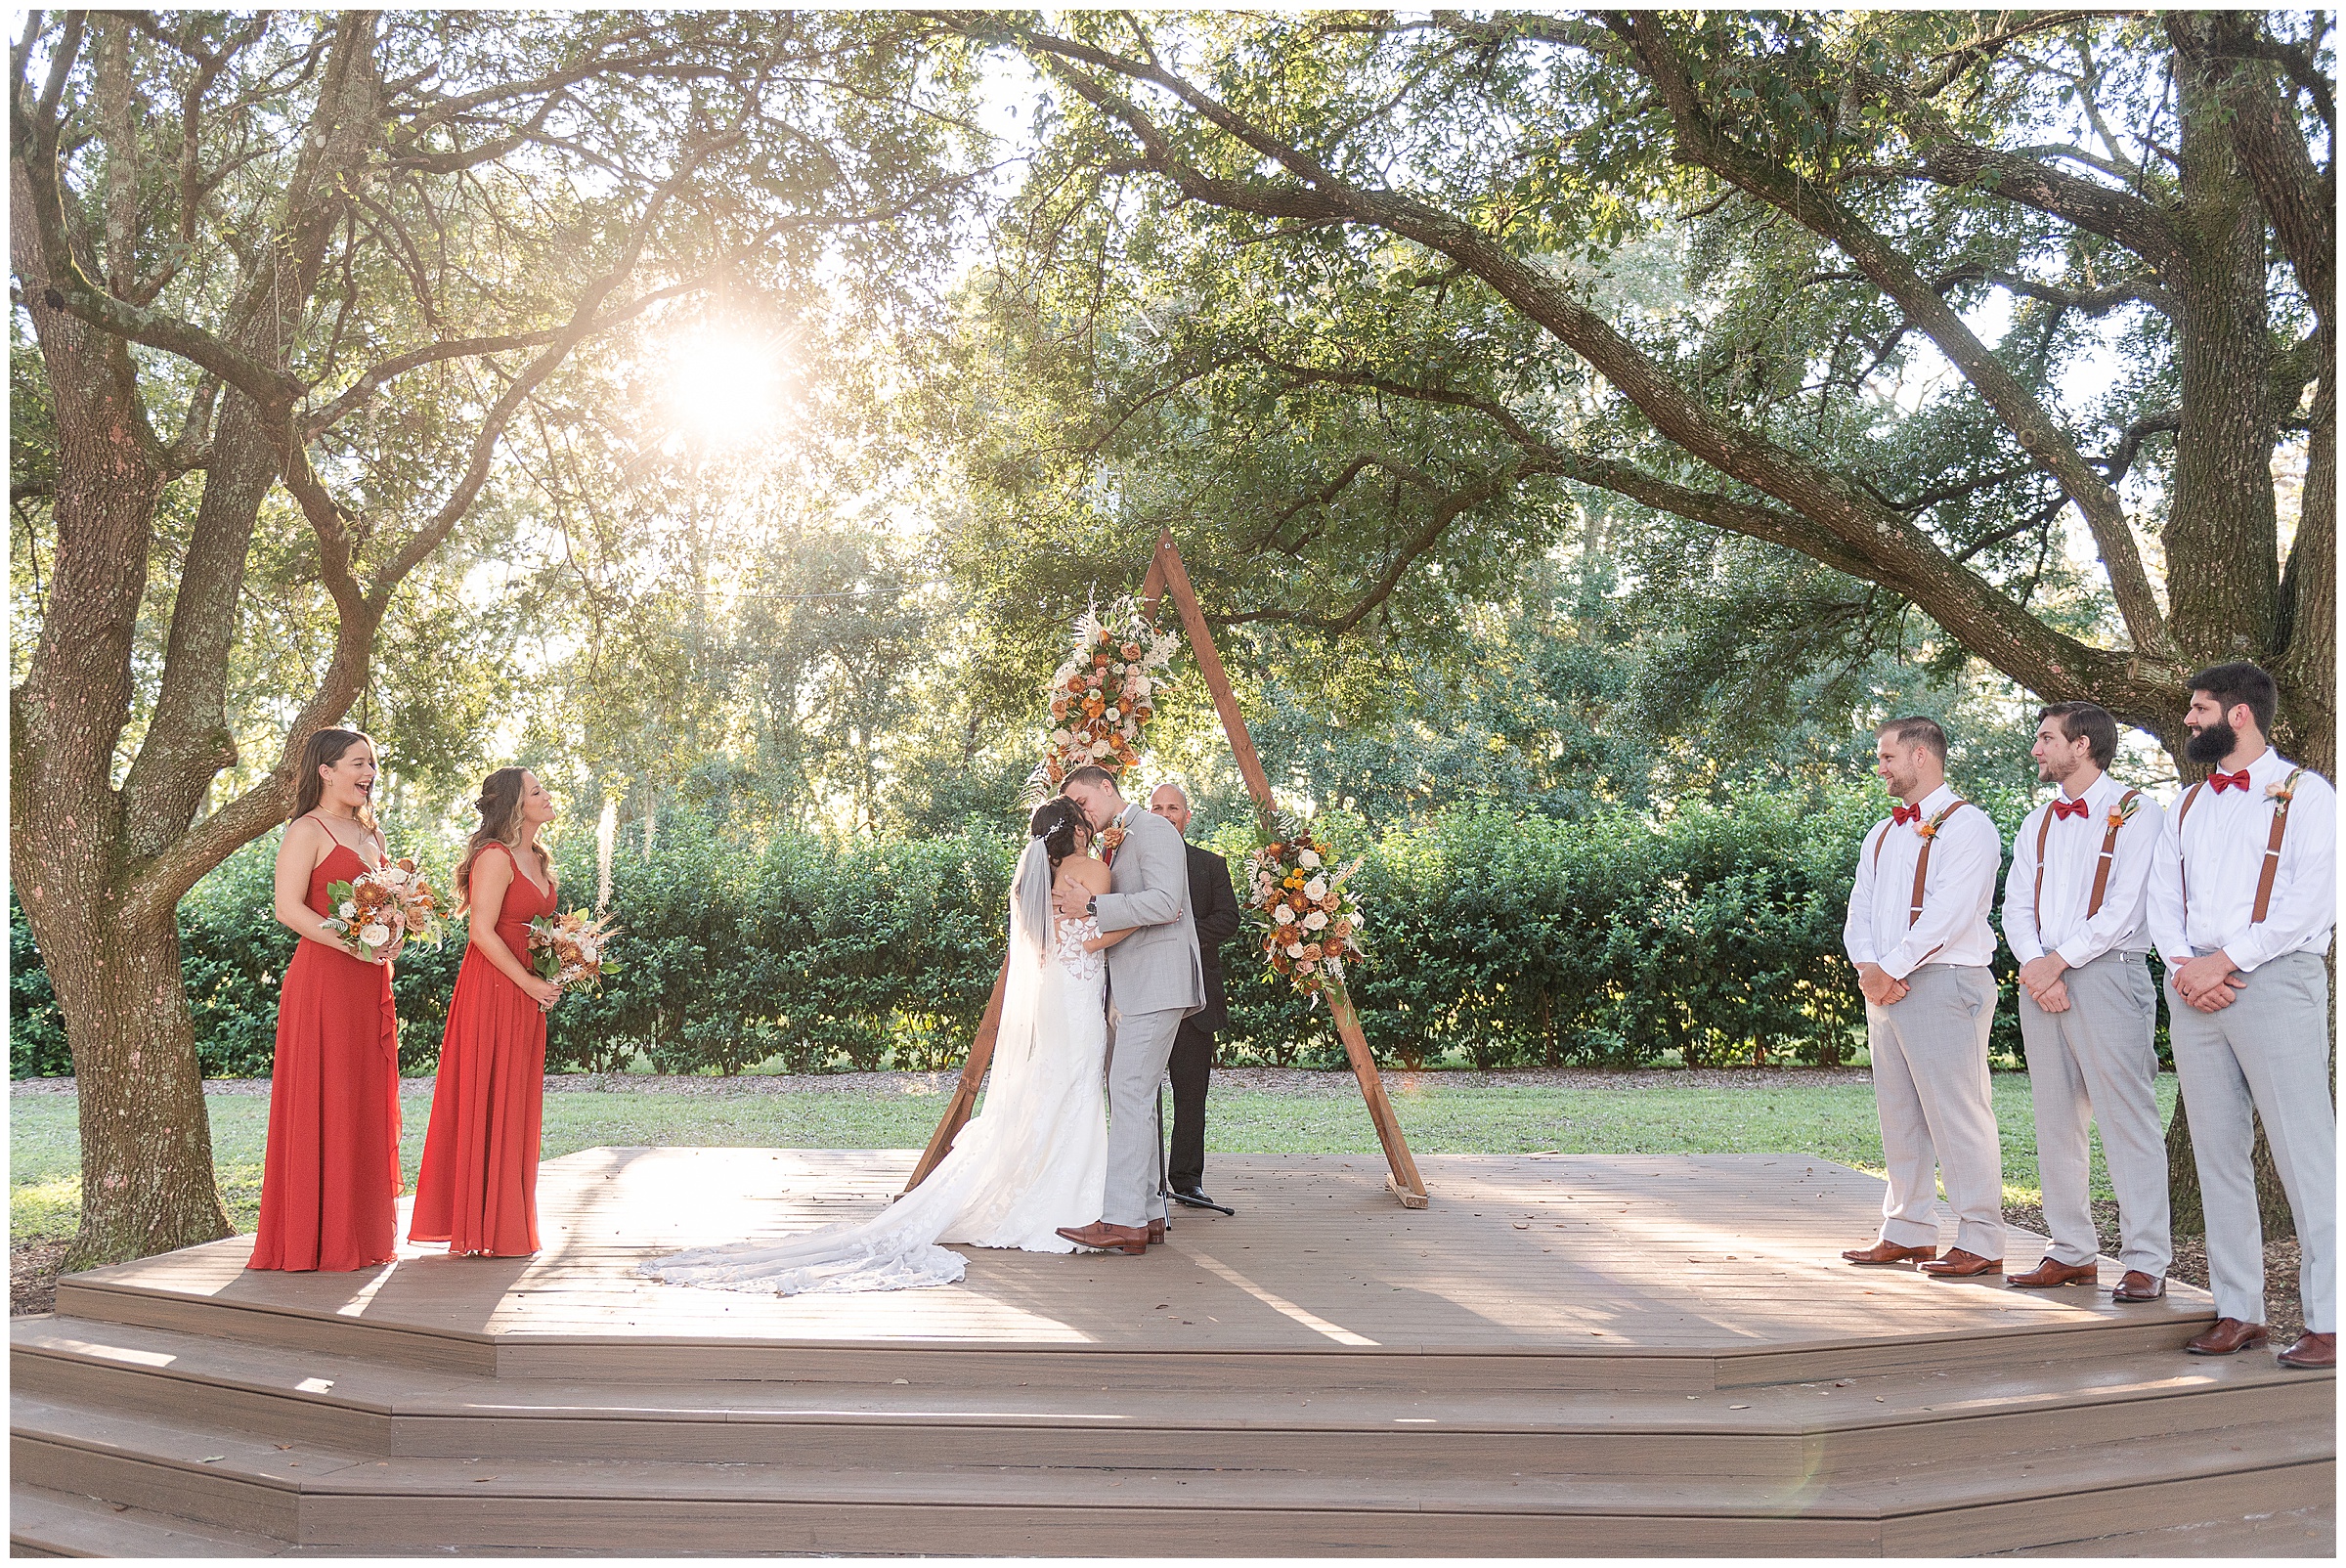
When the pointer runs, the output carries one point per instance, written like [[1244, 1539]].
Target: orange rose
[[1311, 949], [1132, 650]]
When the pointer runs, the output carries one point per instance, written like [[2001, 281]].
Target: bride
[[1034, 1154]]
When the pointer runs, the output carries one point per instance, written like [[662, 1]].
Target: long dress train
[[331, 1166], [1032, 1160]]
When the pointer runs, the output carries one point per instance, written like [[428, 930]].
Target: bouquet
[[568, 949], [1310, 922], [370, 911], [1106, 693]]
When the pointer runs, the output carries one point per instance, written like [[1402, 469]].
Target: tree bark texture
[[146, 1155]]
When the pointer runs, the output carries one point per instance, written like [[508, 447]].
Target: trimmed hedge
[[1496, 942]]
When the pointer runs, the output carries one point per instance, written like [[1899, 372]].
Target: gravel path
[[1258, 1080]]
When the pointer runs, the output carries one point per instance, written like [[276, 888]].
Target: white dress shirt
[[2072, 856], [2222, 847], [1957, 889]]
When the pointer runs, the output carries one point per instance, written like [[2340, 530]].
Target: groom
[[1154, 980]]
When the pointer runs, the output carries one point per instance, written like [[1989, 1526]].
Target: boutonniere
[[1112, 838], [2124, 813], [2280, 793], [1925, 830]]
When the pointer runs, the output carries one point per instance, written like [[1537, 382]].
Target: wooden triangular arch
[[1168, 576]]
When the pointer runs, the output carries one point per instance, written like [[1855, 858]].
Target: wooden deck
[[1564, 1355]]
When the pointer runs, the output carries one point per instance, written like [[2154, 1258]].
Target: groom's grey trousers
[[1139, 1044]]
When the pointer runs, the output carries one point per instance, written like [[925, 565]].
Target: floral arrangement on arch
[[1106, 693], [1310, 919]]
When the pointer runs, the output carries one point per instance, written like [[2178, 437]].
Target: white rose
[[1284, 916], [1294, 949], [1314, 920], [375, 935], [1316, 888], [1100, 748], [348, 910], [1137, 686], [1060, 737], [1308, 861]]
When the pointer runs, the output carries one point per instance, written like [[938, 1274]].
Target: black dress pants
[[1193, 1061]]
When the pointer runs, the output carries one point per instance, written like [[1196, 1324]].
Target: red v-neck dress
[[331, 1169], [478, 1187]]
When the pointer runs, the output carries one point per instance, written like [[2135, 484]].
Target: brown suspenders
[[2272, 867], [2109, 847], [2036, 901], [1922, 862]]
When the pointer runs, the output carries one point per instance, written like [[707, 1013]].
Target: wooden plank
[[965, 1091], [47, 1523], [1403, 1183]]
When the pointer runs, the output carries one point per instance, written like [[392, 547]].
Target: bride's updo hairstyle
[[1055, 822]]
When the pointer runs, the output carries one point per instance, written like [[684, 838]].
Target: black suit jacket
[[1214, 905]]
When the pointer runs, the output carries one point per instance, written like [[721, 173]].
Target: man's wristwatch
[[1090, 904]]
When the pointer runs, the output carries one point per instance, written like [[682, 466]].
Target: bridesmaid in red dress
[[333, 1165], [478, 1187]]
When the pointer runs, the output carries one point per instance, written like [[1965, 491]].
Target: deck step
[[45, 1522], [337, 1496], [2154, 1327], [1804, 1428]]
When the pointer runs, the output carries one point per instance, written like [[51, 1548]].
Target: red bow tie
[[2075, 807], [2229, 781], [1900, 815]]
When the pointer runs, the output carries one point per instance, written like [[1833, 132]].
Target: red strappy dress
[[478, 1187], [333, 1165]]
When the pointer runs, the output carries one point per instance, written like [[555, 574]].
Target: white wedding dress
[[1032, 1160]]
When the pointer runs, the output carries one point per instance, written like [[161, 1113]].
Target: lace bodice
[[1068, 948]]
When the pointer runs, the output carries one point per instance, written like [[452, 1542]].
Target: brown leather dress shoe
[[1106, 1238], [2312, 1353], [2053, 1273], [2229, 1338], [1884, 1252], [1961, 1264], [1156, 1231], [2138, 1287]]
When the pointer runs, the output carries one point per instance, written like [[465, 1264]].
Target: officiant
[[1214, 906]]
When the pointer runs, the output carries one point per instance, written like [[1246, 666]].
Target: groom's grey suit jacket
[[1157, 968]]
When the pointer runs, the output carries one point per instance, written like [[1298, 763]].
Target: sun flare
[[723, 390]]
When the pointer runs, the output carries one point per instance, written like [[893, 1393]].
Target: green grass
[[1835, 1121]]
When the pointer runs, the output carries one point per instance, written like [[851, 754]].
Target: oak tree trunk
[[147, 1184]]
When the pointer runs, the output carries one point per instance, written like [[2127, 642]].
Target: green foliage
[[37, 1031], [1709, 937]]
